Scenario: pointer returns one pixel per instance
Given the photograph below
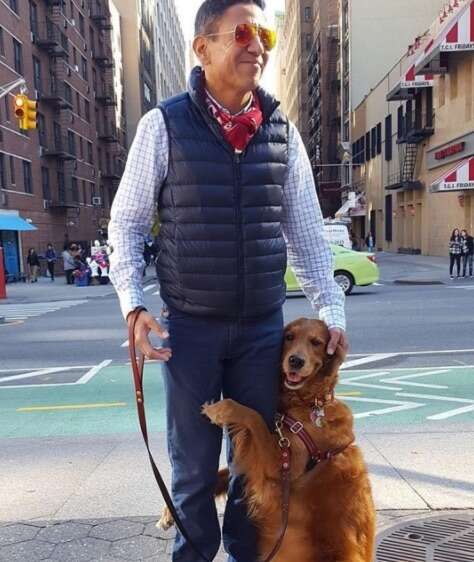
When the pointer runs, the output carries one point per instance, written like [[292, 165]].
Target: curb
[[418, 282]]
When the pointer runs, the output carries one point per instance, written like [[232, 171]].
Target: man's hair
[[212, 10]]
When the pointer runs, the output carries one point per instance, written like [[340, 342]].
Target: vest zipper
[[238, 220]]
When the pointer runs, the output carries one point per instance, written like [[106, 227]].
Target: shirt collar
[[222, 108]]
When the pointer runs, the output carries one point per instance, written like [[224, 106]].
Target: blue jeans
[[214, 357]]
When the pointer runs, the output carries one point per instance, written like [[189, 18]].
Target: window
[[84, 68], [12, 170], [388, 218], [14, 5], [400, 127], [81, 148], [87, 110], [307, 13], [37, 73], [71, 9], [367, 147], [308, 41], [7, 108], [17, 57], [84, 192], [429, 107], [45, 183], [91, 38], [74, 190], [42, 130], [2, 45], [74, 56], [3, 184], [68, 93], [388, 138], [379, 138], [71, 142], [61, 186], [373, 142], [82, 27], [34, 17], [27, 176], [78, 103], [90, 156]]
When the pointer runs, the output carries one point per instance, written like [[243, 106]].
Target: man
[[235, 193]]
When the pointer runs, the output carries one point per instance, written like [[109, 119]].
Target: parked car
[[350, 269]]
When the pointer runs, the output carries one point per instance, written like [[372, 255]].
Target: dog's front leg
[[255, 449]]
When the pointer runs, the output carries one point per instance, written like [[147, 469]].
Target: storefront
[[11, 226]]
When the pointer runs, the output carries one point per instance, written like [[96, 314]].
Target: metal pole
[[5, 90]]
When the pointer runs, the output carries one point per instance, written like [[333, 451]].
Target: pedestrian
[[370, 242], [69, 263], [33, 262], [233, 183], [467, 252], [51, 258], [455, 252]]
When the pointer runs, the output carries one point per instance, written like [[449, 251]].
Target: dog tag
[[317, 416]]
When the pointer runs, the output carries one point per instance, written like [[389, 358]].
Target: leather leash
[[284, 443], [137, 369]]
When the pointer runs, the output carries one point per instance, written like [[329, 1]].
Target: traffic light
[[25, 112]]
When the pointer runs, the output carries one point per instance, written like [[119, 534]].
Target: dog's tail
[[222, 487]]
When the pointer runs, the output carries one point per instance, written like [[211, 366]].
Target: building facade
[[138, 25], [62, 176], [324, 106], [373, 34], [170, 51], [294, 47], [414, 147]]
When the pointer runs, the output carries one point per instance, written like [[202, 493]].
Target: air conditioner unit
[[73, 22], [97, 201], [76, 68], [46, 203]]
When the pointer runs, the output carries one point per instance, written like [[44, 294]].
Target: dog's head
[[305, 361]]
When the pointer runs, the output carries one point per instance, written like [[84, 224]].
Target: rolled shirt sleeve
[[134, 207], [309, 252]]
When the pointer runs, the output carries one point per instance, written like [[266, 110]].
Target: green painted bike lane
[[105, 404]]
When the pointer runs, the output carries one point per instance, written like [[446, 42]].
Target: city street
[[69, 436]]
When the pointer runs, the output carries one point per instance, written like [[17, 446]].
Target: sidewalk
[[46, 291], [413, 270]]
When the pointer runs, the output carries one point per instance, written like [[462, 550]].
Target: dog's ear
[[333, 362]]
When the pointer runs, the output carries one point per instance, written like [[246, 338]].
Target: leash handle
[[138, 364]]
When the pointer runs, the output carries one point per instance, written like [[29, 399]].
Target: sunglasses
[[245, 33]]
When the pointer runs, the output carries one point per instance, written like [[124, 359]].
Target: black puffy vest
[[222, 252]]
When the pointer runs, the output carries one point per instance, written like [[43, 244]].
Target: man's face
[[228, 63]]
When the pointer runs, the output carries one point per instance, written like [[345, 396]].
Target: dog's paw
[[222, 412], [166, 520]]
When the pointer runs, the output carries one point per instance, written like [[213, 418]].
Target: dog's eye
[[315, 342], [289, 337]]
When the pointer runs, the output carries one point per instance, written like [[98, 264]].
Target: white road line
[[436, 352], [368, 359], [149, 287], [353, 381], [397, 406], [451, 413], [92, 372], [401, 379], [38, 373]]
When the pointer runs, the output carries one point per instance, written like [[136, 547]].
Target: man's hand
[[144, 325], [338, 337]]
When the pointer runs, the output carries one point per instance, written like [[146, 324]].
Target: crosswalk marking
[[23, 311]]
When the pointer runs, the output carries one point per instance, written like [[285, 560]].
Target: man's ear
[[333, 362], [200, 48]]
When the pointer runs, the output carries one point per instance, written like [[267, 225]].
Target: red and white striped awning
[[457, 179], [455, 34]]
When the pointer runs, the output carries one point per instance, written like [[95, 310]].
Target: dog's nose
[[296, 362]]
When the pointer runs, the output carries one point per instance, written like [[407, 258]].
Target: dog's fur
[[332, 516]]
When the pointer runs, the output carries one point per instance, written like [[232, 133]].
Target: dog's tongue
[[294, 377]]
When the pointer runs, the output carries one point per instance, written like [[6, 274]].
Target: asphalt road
[[381, 319]]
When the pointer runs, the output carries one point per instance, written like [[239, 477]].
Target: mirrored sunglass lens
[[244, 34], [268, 38]]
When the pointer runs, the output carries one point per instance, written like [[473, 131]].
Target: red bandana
[[239, 129]]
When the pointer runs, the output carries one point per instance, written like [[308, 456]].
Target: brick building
[[62, 176]]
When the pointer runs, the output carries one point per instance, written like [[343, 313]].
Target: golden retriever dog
[[331, 514]]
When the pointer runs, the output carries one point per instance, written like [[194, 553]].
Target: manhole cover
[[435, 539]]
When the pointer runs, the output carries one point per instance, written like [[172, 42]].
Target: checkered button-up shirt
[[135, 203]]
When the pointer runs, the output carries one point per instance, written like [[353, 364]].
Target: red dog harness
[[315, 454]]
